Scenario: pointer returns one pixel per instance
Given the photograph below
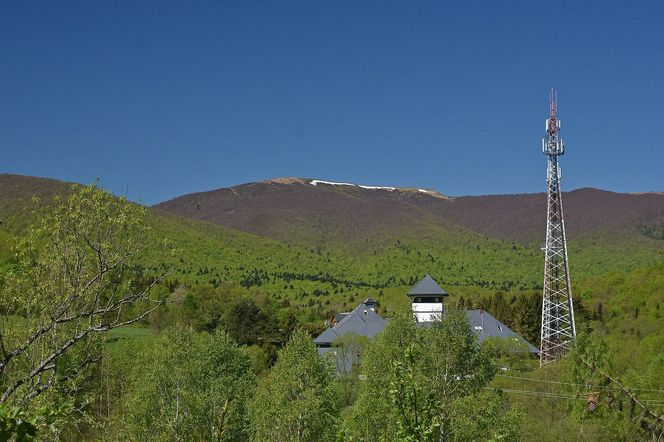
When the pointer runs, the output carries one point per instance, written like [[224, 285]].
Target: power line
[[535, 380], [551, 395], [535, 393], [569, 383]]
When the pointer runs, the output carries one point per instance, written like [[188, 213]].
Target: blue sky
[[158, 99]]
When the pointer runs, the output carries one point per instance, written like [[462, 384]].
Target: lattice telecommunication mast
[[558, 328]]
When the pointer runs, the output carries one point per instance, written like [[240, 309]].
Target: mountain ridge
[[260, 207], [288, 207]]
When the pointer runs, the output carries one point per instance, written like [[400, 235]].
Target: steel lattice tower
[[558, 328]]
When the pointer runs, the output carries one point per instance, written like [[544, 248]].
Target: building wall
[[427, 311]]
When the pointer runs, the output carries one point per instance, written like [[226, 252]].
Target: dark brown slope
[[522, 218], [292, 210], [285, 208], [16, 198]]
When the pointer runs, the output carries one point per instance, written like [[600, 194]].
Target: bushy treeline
[[412, 384], [250, 318], [180, 385], [425, 384]]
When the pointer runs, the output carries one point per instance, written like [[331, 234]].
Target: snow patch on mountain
[[428, 192], [332, 183]]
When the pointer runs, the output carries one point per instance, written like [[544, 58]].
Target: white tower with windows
[[427, 300]]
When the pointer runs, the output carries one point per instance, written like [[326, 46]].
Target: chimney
[[482, 316]]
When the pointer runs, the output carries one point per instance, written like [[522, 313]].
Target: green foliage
[[75, 276], [416, 378], [246, 322], [514, 355], [520, 313], [47, 421], [654, 230], [590, 367], [186, 386], [16, 424], [485, 416], [296, 401], [374, 416], [417, 407], [251, 318]]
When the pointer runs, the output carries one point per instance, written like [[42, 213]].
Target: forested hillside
[[297, 209], [260, 261]]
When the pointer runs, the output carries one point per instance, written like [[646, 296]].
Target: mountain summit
[[290, 209], [323, 183]]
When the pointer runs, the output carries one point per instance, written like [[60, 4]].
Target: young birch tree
[[77, 275], [296, 401], [186, 386]]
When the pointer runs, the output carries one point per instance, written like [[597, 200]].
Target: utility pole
[[558, 328]]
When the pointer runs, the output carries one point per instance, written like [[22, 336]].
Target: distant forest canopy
[[256, 291]]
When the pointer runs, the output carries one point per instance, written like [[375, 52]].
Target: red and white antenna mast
[[558, 326], [552, 123]]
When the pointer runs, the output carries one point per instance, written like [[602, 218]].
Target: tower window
[[428, 300]]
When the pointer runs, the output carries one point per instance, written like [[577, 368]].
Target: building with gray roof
[[362, 321], [484, 325], [427, 304]]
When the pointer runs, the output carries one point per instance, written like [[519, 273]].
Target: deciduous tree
[[419, 379], [296, 401], [77, 274], [187, 386]]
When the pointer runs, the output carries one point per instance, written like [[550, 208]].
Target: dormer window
[[500, 328], [478, 328]]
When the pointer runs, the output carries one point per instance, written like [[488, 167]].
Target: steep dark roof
[[427, 286], [484, 325], [362, 321], [327, 337]]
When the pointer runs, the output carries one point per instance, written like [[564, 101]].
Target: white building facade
[[427, 300]]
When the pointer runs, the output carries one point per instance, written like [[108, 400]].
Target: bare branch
[[74, 287]]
